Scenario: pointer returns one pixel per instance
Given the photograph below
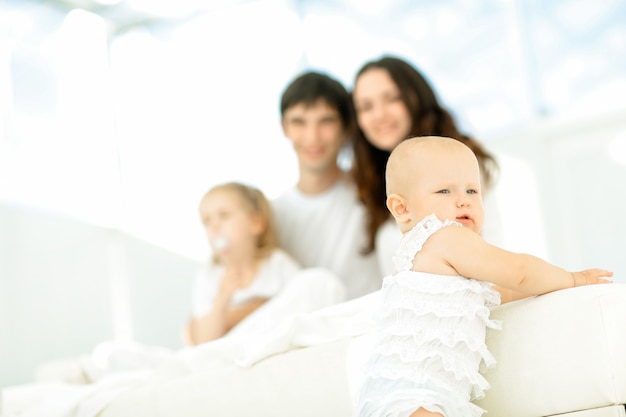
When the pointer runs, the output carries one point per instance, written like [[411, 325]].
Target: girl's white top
[[430, 349], [275, 272]]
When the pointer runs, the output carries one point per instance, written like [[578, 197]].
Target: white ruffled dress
[[431, 346]]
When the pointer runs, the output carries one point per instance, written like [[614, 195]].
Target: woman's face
[[381, 114]]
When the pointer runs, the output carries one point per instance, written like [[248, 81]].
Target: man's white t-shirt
[[328, 230]]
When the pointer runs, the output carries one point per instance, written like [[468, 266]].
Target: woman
[[394, 101]]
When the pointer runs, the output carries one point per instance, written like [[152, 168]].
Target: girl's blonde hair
[[257, 203]]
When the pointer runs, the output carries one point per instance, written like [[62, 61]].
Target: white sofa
[[562, 353]]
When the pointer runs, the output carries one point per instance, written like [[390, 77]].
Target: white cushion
[[612, 411], [558, 353]]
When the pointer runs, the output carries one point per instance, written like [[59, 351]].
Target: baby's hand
[[591, 276]]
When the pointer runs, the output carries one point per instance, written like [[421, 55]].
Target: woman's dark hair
[[428, 118]]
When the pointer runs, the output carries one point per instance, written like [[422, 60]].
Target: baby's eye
[[443, 191], [472, 192]]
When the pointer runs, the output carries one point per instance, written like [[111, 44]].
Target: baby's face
[[447, 183]]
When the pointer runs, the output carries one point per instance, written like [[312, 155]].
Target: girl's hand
[[591, 276], [231, 281]]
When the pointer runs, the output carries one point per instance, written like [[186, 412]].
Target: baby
[[431, 347]]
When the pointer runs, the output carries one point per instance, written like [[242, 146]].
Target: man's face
[[316, 133]]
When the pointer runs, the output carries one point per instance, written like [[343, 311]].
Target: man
[[320, 221]]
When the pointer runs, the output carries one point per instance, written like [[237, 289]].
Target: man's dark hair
[[310, 87]]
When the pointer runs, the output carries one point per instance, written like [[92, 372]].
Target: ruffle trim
[[409, 284], [426, 364], [414, 239], [409, 348], [403, 403], [408, 313], [421, 310], [416, 295], [432, 335]]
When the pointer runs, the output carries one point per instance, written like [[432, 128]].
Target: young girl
[[435, 314], [247, 268]]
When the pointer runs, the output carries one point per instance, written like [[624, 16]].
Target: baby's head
[[434, 175], [236, 218]]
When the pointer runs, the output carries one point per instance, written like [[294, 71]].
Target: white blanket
[[113, 369]]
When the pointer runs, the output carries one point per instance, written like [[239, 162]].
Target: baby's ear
[[397, 206]]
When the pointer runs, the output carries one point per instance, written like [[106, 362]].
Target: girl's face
[[231, 227], [381, 113]]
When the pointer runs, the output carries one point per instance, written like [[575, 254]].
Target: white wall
[[55, 290], [568, 204]]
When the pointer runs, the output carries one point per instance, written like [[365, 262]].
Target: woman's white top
[[388, 238]]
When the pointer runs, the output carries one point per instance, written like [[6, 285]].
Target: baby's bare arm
[[591, 276], [507, 295], [472, 257]]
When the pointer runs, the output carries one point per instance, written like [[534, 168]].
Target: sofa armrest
[[558, 353]]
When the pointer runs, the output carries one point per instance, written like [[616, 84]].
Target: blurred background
[[117, 115]]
